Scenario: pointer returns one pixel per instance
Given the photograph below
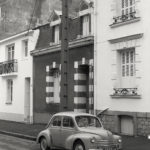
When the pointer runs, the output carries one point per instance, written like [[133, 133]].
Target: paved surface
[[30, 131], [13, 143], [21, 128], [136, 143]]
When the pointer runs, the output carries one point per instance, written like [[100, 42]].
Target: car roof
[[72, 114]]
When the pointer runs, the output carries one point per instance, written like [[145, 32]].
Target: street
[[13, 143]]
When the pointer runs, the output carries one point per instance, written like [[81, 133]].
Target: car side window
[[56, 121], [68, 122]]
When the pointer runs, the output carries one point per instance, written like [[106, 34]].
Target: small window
[[56, 121], [85, 21], [25, 48], [68, 122], [128, 63], [10, 52], [56, 34]]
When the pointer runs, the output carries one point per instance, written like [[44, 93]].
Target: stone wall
[[141, 122]]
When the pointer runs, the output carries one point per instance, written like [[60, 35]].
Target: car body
[[77, 131]]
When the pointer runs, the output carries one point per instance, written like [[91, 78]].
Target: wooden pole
[[64, 58]]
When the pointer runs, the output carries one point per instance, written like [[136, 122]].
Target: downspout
[[95, 56]]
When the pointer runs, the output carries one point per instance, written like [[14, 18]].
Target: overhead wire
[[31, 19]]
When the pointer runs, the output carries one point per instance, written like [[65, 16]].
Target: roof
[[7, 38], [72, 114]]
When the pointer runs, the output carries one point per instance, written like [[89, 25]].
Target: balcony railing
[[125, 92], [124, 18], [8, 67]]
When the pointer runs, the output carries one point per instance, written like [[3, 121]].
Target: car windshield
[[88, 121]]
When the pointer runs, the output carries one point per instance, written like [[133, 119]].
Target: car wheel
[[43, 144], [78, 146]]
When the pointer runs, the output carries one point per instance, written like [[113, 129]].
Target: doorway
[[27, 101]]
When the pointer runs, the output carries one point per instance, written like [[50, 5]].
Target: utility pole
[[64, 58]]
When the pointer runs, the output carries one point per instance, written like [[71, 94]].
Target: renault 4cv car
[[77, 131]]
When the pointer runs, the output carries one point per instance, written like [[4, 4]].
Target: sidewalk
[[22, 130]]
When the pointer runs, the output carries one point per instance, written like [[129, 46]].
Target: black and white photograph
[[74, 74]]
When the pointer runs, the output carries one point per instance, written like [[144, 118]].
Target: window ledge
[[126, 96], [8, 103], [114, 25]]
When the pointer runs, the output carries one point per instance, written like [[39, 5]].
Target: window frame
[[127, 63], [55, 117], [70, 119], [127, 7], [10, 52], [25, 45], [85, 24]]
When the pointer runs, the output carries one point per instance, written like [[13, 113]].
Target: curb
[[27, 137]]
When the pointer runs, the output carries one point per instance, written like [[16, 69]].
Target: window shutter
[[137, 2], [118, 7], [60, 31], [113, 8]]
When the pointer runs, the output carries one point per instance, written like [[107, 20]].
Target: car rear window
[[56, 121]]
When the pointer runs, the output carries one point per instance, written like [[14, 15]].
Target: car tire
[[44, 144], [78, 146]]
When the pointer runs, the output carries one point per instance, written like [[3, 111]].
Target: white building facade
[[122, 70], [16, 100]]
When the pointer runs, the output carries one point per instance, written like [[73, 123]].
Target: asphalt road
[[136, 143], [13, 143]]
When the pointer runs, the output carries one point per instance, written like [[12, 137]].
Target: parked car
[[77, 131]]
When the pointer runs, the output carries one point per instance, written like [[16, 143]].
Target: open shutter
[[137, 3], [113, 8], [118, 7]]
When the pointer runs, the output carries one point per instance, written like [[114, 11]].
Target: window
[[128, 7], [127, 68], [10, 52], [85, 20], [125, 10], [9, 91], [128, 63], [56, 121], [56, 34], [25, 48], [68, 122]]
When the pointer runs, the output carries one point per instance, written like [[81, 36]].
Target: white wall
[[25, 68], [104, 58]]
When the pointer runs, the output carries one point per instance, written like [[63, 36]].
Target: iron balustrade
[[8, 67], [124, 18], [125, 92]]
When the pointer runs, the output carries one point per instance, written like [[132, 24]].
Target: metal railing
[[8, 67], [124, 18], [125, 92]]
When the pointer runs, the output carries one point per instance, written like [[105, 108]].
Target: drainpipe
[[95, 56]]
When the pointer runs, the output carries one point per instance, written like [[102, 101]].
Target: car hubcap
[[43, 144], [79, 147]]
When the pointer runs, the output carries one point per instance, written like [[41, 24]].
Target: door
[[27, 101], [67, 129], [127, 127], [55, 129]]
